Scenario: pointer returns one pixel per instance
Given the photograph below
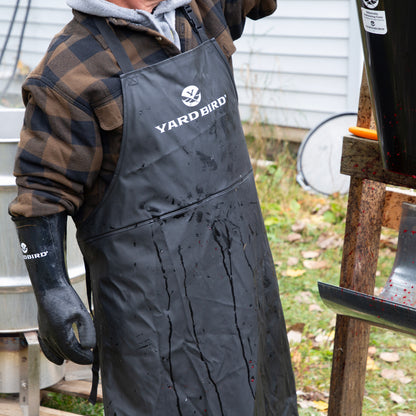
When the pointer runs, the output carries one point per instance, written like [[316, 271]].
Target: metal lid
[[319, 156]]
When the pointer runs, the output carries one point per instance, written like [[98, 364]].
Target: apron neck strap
[[114, 44], [195, 23], [117, 49]]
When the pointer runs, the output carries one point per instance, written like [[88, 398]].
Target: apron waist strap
[[95, 377]]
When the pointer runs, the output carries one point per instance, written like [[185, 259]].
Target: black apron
[[186, 303]]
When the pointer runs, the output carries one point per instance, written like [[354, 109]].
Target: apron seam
[[173, 213]]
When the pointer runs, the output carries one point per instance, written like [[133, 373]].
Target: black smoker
[[388, 33]]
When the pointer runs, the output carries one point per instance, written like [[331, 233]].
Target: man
[[132, 128]]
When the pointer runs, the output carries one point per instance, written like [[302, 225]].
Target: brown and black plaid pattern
[[73, 125]]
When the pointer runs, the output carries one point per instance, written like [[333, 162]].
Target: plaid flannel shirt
[[73, 124]]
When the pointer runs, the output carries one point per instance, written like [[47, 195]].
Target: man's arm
[[57, 157], [236, 11], [59, 153]]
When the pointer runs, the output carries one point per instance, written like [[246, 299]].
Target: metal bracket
[[29, 376]]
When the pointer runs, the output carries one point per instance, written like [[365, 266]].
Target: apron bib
[[186, 303]]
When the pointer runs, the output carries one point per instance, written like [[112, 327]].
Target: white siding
[[292, 69], [301, 64], [45, 19]]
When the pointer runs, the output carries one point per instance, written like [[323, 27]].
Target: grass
[[299, 222], [72, 404], [287, 207]]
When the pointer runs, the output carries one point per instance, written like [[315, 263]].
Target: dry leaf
[[315, 265], [377, 291], [292, 261], [296, 357], [294, 273], [405, 380], [324, 241], [292, 237], [294, 337], [323, 338], [388, 241], [320, 405], [413, 347], [371, 364], [310, 254], [391, 374], [305, 404], [390, 357], [298, 226], [321, 210], [304, 297], [396, 398], [372, 350], [315, 308], [299, 327]]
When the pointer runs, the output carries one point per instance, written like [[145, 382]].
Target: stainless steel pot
[[12, 352]]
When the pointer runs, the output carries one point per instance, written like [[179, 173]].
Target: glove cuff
[[43, 241]]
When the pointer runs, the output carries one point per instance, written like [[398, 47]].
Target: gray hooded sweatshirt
[[161, 19]]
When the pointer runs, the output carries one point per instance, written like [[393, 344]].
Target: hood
[[162, 19]]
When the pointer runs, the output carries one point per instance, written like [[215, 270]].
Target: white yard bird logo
[[24, 248], [191, 96], [371, 4]]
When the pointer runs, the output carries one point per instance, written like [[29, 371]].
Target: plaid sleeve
[[235, 12], [59, 154]]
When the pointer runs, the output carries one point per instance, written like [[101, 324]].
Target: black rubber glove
[[42, 240]]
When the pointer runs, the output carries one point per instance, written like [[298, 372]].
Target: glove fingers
[[86, 332], [50, 353], [76, 353], [70, 348]]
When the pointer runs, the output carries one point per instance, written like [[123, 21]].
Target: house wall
[[46, 17], [293, 69], [300, 65]]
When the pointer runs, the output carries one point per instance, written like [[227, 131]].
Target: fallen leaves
[[308, 263], [315, 264], [293, 273], [311, 258], [314, 399], [292, 261], [304, 297], [396, 398], [399, 375], [292, 237], [371, 364], [310, 254], [390, 357], [327, 241], [294, 337]]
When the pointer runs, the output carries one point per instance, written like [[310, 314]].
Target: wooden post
[[358, 270]]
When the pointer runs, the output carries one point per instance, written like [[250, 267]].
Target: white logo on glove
[[26, 256]]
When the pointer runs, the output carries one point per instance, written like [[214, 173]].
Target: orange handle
[[362, 132]]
